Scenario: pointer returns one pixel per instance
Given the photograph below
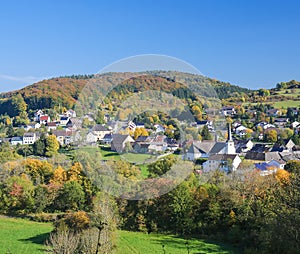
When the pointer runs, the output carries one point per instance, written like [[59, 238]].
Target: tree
[[59, 176], [39, 147], [205, 133], [293, 166], [99, 119], [52, 146], [160, 167], [71, 197], [271, 136]]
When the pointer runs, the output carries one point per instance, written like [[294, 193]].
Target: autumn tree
[[52, 146]]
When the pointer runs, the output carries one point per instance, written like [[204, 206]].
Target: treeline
[[257, 214]]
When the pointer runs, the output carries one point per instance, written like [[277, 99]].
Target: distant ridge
[[65, 90]]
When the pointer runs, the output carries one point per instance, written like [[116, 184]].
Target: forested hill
[[64, 91]]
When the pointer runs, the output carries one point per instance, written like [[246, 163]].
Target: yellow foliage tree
[[283, 176], [59, 176]]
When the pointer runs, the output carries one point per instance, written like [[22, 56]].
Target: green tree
[[71, 197], [205, 134], [160, 167]]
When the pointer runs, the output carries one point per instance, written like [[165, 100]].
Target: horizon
[[249, 44]]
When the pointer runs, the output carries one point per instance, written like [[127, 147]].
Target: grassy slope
[[134, 243], [22, 236]]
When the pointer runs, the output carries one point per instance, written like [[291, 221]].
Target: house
[[224, 162], [89, 117], [64, 120], [100, 131], [265, 125], [119, 142], [106, 118], [70, 113], [30, 138], [158, 144], [267, 168], [243, 146], [141, 147], [295, 124], [281, 122], [273, 112], [16, 141], [172, 144], [91, 138], [139, 125], [44, 119], [241, 130], [32, 126], [201, 124], [228, 111], [5, 140], [37, 115], [74, 124], [159, 128], [63, 137], [107, 139], [51, 126], [199, 150], [131, 126], [286, 146]]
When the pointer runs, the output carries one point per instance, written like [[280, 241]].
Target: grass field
[[277, 104], [139, 243], [19, 236]]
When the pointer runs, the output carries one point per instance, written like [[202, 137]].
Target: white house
[[159, 128], [51, 126], [71, 113], [225, 162], [29, 138], [228, 111], [91, 138], [100, 131], [16, 140], [32, 126], [37, 115]]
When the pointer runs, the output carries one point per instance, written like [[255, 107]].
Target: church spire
[[230, 148], [229, 138]]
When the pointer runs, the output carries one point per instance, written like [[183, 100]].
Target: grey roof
[[29, 134], [61, 133], [119, 138], [19, 139], [259, 156], [222, 157], [107, 136], [272, 156], [218, 147], [99, 127]]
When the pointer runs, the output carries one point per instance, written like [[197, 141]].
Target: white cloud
[[25, 80]]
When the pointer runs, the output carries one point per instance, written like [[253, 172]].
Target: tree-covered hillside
[[64, 91]]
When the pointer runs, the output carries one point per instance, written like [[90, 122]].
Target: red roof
[[44, 118]]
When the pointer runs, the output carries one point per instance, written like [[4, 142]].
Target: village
[[263, 152]]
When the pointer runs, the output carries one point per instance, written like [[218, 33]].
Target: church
[[220, 155]]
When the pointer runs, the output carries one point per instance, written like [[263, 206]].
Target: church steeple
[[229, 138], [230, 148]]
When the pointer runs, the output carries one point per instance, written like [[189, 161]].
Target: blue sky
[[250, 43]]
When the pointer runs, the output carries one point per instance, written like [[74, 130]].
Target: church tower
[[230, 148]]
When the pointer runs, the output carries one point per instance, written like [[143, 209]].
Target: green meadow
[[20, 236]]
